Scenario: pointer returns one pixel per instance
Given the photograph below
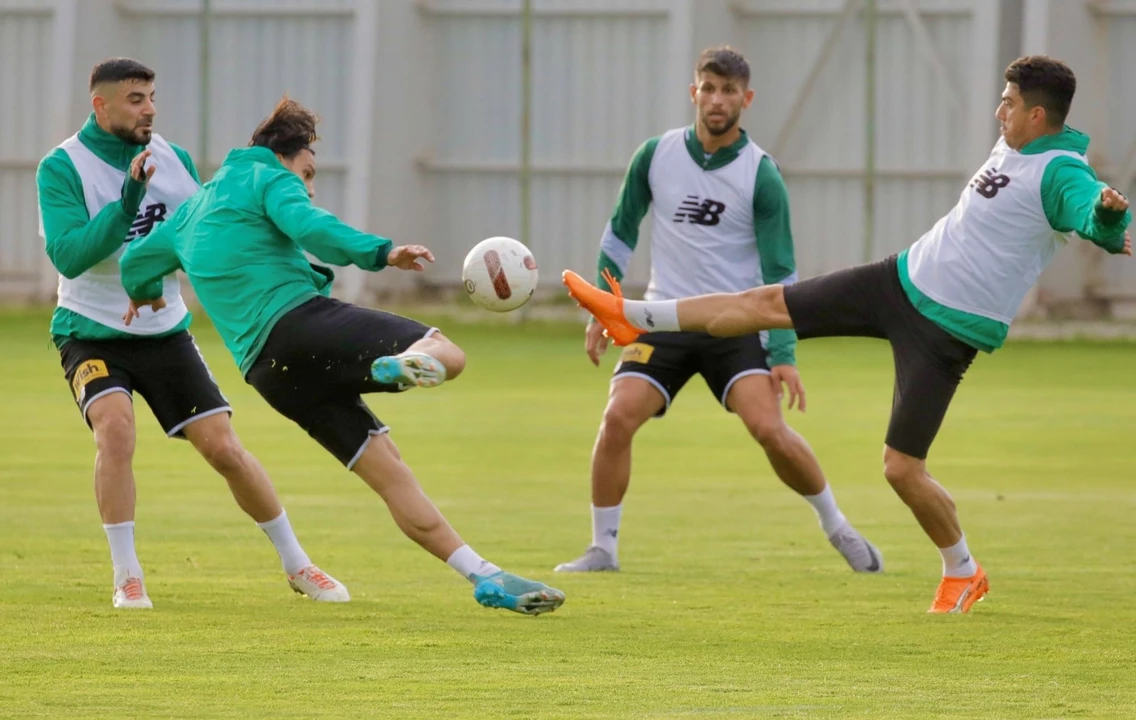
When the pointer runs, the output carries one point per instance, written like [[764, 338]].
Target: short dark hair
[[1044, 81], [289, 129], [115, 70], [725, 61]]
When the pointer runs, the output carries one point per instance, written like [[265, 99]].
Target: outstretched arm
[[1075, 201], [320, 232]]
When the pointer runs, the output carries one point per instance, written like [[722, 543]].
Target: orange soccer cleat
[[606, 307], [957, 595]]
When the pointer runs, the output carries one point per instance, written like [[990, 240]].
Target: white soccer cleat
[[410, 369], [862, 556], [131, 595], [318, 585]]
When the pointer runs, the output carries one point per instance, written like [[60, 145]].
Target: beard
[[138, 135], [727, 126]]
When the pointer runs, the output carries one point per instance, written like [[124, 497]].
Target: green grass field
[[731, 602]]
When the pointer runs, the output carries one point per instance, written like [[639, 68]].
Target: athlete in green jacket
[[99, 190], [241, 241]]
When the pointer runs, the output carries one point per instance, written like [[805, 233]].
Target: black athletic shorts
[[668, 359], [869, 301], [316, 365], [169, 372]]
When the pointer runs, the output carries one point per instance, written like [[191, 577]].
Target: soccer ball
[[499, 274]]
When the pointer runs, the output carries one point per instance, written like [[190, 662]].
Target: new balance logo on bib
[[145, 221], [699, 212], [989, 182]]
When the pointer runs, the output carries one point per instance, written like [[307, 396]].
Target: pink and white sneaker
[[130, 594], [318, 585]]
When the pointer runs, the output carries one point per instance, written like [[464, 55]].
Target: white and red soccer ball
[[499, 274]]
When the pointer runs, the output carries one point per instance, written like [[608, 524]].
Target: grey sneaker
[[594, 559], [861, 555]]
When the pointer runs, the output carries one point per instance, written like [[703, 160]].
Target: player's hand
[[788, 376], [138, 169], [407, 257], [136, 307], [1112, 199], [1127, 249], [595, 342]]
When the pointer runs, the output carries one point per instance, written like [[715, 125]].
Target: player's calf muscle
[[732, 314]]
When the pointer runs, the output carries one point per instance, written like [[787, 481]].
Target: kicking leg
[[722, 314], [427, 363], [847, 302]]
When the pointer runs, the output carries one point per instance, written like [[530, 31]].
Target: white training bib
[[986, 253], [98, 294], [702, 237]]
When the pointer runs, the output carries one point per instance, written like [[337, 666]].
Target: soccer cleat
[[606, 307], [513, 592], [957, 595], [862, 556], [410, 369], [131, 595], [594, 559], [318, 585]]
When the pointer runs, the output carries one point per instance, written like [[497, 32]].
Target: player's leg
[[632, 402], [361, 350], [428, 362], [838, 303], [754, 399], [441, 348], [929, 365], [649, 375], [345, 426], [737, 373], [187, 402], [112, 419], [381, 466], [102, 389]]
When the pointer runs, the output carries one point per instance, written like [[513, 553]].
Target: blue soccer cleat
[[410, 369], [512, 592]]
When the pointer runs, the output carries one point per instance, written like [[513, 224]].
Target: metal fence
[[438, 128]]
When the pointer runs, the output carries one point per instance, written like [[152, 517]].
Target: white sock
[[122, 555], [292, 556], [605, 528], [652, 316], [468, 563], [957, 561], [827, 512]]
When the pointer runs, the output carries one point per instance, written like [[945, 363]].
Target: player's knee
[[114, 435], [904, 473], [454, 362], [619, 426], [224, 453], [770, 433]]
